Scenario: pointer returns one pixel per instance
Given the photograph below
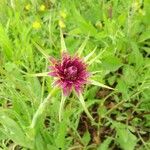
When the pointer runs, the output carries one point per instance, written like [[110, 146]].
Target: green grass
[[117, 36]]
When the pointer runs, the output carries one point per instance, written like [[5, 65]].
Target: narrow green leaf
[[125, 138], [96, 58], [86, 138], [6, 43], [35, 86], [63, 45], [39, 142], [38, 74], [95, 72], [99, 84], [41, 108], [90, 54], [81, 48], [61, 133], [81, 99], [41, 50], [144, 36], [105, 144]]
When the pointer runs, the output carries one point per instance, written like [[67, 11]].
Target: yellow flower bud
[[28, 7], [36, 25], [63, 14], [61, 24], [42, 7]]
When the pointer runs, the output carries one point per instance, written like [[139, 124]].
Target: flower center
[[71, 72]]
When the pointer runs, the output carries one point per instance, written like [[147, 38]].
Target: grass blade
[[90, 54], [96, 58], [63, 45], [38, 74], [100, 84], [81, 48], [41, 50]]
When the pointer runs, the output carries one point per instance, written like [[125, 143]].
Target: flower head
[[27, 7], [63, 14], [61, 24], [70, 72], [36, 25], [42, 8]]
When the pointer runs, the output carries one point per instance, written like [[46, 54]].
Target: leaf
[[125, 138], [90, 54], [10, 67], [41, 50], [39, 112], [81, 99], [61, 133], [86, 138], [96, 58], [51, 147], [13, 131], [6, 43], [130, 75], [2, 134], [63, 45], [84, 25], [111, 63], [37, 74], [39, 143], [144, 36], [105, 144], [19, 113], [81, 48], [136, 56], [99, 84], [35, 86], [123, 88]]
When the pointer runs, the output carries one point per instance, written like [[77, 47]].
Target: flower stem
[[41, 108], [115, 107], [62, 102]]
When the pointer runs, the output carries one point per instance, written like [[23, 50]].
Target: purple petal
[[53, 74]]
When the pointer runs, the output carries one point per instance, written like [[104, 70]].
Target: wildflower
[[36, 25], [61, 24], [63, 14], [71, 73], [28, 7], [42, 8]]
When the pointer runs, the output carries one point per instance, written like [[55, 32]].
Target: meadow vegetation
[[113, 36]]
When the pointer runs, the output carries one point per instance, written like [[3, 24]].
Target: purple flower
[[70, 72]]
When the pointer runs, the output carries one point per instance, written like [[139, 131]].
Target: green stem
[[41, 108], [115, 107], [62, 102]]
